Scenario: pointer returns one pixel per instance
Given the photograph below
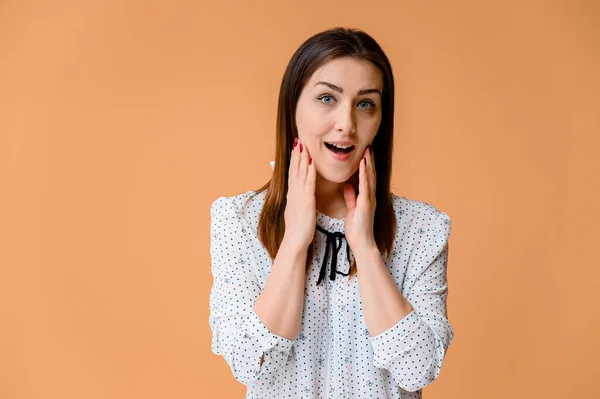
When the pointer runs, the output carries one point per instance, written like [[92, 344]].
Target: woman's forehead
[[347, 72]]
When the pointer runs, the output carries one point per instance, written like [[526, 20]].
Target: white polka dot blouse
[[333, 356]]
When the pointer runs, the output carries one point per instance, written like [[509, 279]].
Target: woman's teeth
[[339, 149]]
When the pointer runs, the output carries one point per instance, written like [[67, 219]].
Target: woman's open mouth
[[340, 152]]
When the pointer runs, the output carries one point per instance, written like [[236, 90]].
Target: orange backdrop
[[121, 121]]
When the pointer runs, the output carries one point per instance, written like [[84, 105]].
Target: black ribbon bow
[[335, 241]]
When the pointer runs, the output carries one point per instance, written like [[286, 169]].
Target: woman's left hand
[[360, 211]]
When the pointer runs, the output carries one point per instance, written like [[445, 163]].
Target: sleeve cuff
[[394, 341], [254, 328]]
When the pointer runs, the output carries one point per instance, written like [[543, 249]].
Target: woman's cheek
[[371, 126]]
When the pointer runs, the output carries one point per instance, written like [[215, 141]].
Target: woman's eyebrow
[[339, 89]]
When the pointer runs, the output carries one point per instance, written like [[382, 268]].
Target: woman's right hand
[[300, 211]]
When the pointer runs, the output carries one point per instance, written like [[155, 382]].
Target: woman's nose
[[345, 119]]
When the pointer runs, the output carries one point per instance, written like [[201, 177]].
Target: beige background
[[121, 121]]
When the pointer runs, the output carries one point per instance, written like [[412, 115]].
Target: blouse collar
[[333, 229]]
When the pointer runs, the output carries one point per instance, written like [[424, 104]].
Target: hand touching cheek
[[360, 211]]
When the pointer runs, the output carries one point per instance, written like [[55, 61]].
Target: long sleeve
[[413, 350], [237, 333]]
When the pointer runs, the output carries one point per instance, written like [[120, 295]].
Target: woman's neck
[[329, 198]]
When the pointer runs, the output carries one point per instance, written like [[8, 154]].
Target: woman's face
[[340, 103]]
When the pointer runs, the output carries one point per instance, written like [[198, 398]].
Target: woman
[[284, 317]]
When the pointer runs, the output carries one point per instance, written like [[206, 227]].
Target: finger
[[303, 168], [312, 175], [363, 183], [371, 173], [294, 163]]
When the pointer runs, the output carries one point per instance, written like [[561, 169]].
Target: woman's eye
[[368, 103], [325, 96]]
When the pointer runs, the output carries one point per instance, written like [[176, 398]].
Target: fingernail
[[295, 142], [300, 147]]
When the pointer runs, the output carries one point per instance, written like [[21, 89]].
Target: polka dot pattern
[[333, 356]]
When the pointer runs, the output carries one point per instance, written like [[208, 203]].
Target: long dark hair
[[315, 51]]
